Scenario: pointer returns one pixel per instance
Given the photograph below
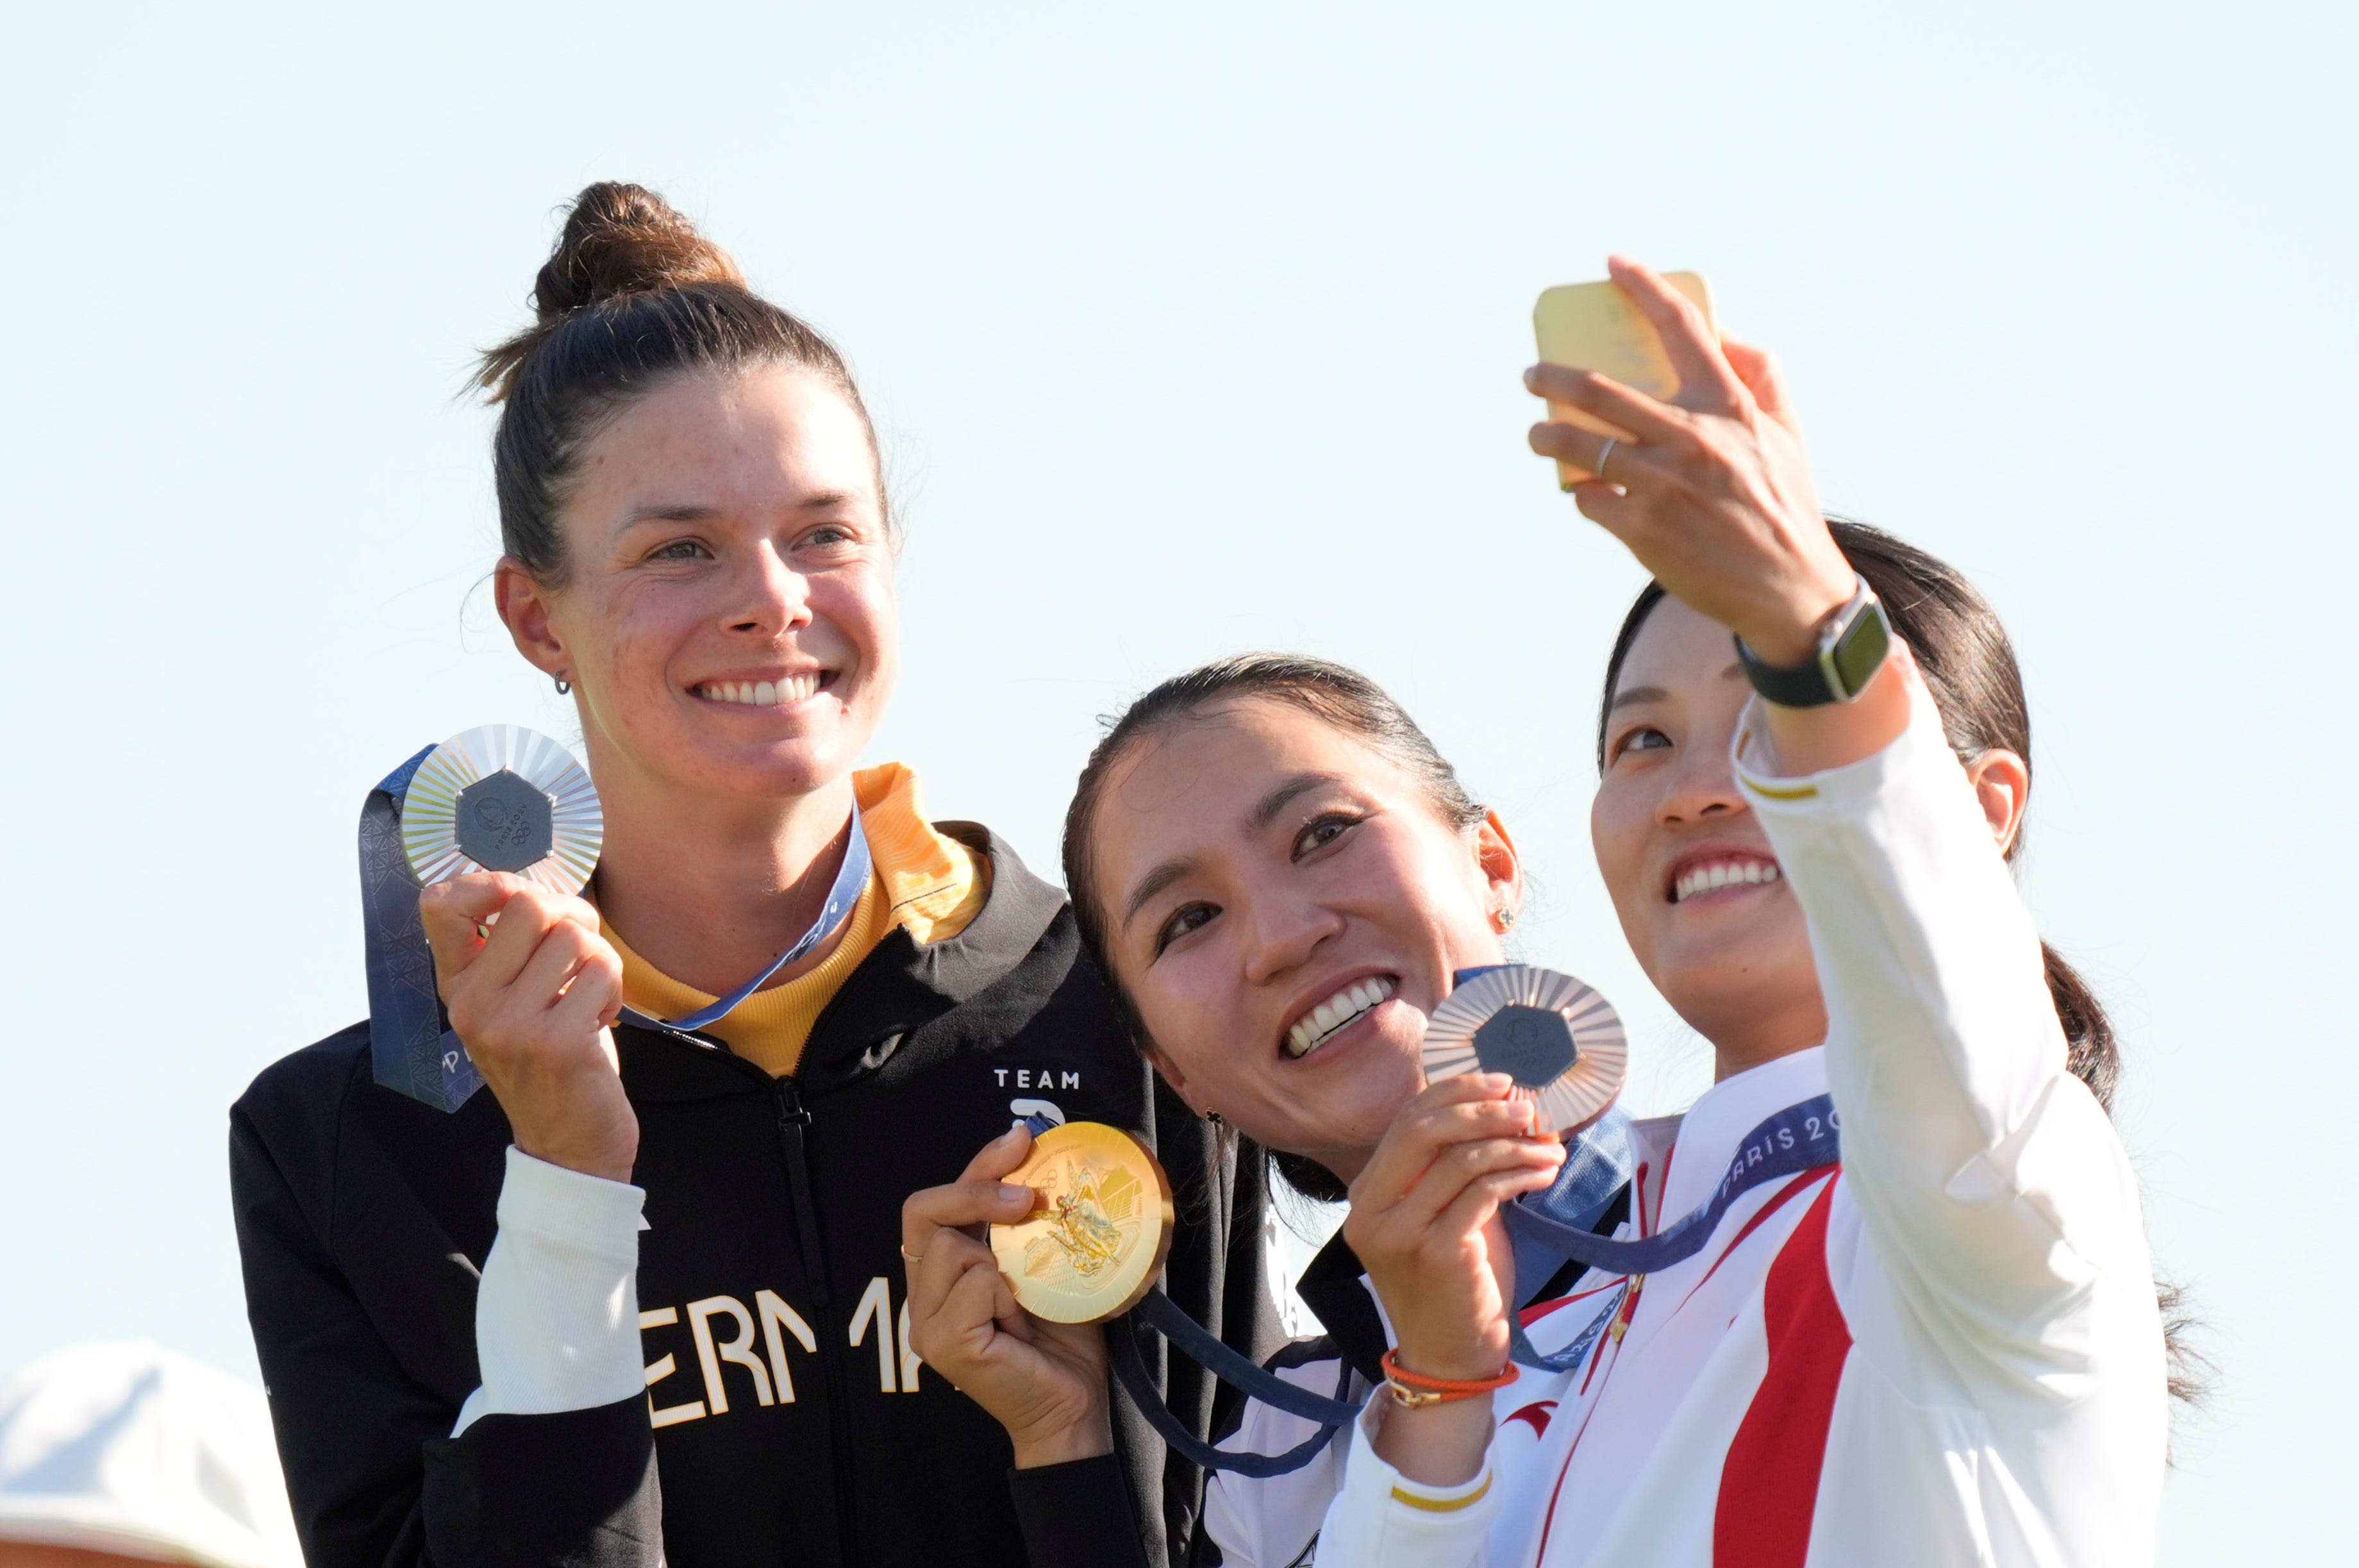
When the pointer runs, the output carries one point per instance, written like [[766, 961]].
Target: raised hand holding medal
[[503, 829], [496, 801]]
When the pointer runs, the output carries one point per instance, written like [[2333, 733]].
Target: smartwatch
[[1852, 647]]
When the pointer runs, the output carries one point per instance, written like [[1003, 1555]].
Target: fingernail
[[1531, 376], [1009, 1193]]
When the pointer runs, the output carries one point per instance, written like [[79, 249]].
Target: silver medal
[[503, 798]]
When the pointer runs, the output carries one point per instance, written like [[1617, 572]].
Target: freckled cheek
[[637, 634], [639, 655]]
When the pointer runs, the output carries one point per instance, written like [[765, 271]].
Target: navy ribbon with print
[[411, 1047], [1597, 1166], [1800, 1137]]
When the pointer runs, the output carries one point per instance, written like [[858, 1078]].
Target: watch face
[[1861, 651]]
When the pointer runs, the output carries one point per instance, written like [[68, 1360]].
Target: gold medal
[[1098, 1239]]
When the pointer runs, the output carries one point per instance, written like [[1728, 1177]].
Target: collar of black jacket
[[897, 989], [1336, 1290]]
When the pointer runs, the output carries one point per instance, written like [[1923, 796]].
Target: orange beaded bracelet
[[1416, 1390]]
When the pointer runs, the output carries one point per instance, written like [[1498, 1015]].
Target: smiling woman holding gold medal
[[640, 1303], [1881, 1295]]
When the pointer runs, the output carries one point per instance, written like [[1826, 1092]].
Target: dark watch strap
[[1851, 648]]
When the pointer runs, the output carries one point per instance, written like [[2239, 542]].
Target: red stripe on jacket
[[1769, 1481]]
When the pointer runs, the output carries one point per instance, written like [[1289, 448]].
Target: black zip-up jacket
[[364, 1218]]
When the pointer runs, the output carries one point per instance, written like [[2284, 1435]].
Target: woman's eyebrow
[[1266, 809], [1637, 694], [1154, 882], [704, 511], [670, 512]]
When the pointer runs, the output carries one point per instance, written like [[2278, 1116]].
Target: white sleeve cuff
[[1842, 789], [1382, 1516], [557, 1315]]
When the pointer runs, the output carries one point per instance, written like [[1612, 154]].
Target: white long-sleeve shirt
[[1945, 1352]]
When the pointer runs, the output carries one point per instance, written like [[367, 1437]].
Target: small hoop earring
[[564, 686]]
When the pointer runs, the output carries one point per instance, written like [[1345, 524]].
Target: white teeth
[[1722, 874], [762, 693], [1311, 1031]]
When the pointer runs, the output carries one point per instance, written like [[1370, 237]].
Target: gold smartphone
[[1593, 326]]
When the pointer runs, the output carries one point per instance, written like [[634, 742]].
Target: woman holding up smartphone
[[1940, 1345], [638, 1303]]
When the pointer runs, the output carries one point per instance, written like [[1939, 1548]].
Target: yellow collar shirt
[[924, 880]]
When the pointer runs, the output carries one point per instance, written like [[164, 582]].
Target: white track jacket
[[1946, 1351]]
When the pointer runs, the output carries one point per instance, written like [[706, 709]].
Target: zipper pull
[[792, 1112]]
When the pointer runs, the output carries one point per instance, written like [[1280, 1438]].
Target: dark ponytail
[[2089, 1048], [1977, 687]]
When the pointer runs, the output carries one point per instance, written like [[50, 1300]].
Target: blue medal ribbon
[[1199, 1344], [1800, 1137], [1597, 1166], [842, 896], [410, 1050], [411, 1047]]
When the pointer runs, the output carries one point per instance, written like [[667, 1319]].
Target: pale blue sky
[[1186, 335]]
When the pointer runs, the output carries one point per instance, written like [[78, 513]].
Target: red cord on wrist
[[1439, 1391]]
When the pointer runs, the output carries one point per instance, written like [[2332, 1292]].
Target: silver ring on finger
[[1604, 452]]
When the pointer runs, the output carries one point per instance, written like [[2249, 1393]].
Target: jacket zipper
[[793, 1117]]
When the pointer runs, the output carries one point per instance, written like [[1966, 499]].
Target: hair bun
[[624, 239]]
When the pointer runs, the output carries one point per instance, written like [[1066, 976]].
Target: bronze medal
[[1097, 1241], [1558, 1039]]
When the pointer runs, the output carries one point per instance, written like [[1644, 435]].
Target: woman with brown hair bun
[[642, 1302]]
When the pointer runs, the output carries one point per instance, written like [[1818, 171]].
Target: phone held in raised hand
[[1593, 326]]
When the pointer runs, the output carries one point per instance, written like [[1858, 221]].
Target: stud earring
[[1507, 919]]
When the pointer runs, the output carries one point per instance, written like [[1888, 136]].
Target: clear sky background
[[1190, 332]]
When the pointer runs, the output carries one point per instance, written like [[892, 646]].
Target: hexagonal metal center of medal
[[1531, 1045], [504, 823]]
